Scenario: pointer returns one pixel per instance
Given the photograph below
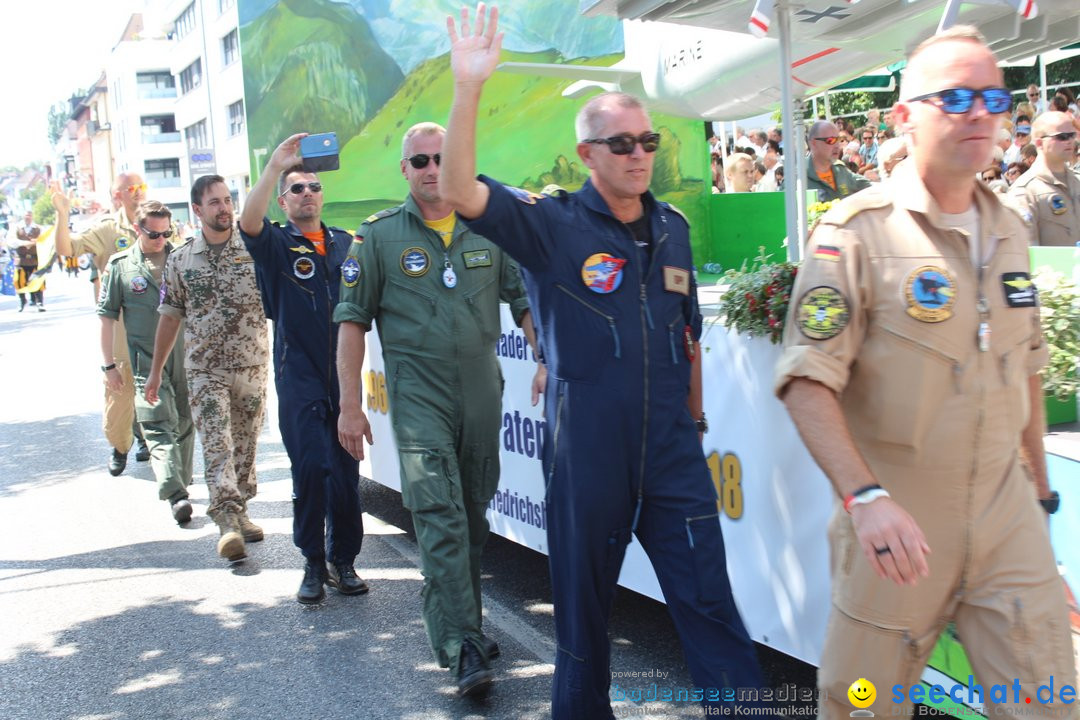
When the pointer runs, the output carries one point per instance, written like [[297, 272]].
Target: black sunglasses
[[1061, 136], [957, 101], [624, 144], [297, 188], [154, 235], [829, 140], [421, 160]]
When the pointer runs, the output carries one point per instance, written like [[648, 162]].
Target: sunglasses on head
[[957, 101], [132, 189], [421, 160], [624, 144], [1061, 136], [829, 140], [154, 235], [297, 188]]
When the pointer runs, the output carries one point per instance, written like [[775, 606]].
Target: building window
[[164, 173], [185, 23], [151, 85], [230, 48], [223, 5], [236, 118], [191, 77], [196, 135]]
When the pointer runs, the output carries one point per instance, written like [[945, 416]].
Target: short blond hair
[[422, 128]]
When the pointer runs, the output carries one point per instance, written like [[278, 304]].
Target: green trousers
[[446, 418], [167, 429]]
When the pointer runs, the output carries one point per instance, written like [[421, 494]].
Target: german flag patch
[[827, 252]]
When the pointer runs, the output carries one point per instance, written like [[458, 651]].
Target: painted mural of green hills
[[312, 64], [525, 134]]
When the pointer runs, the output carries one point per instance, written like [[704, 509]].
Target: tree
[[44, 212], [58, 118]]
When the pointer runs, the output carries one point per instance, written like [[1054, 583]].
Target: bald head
[[1050, 123], [923, 72]]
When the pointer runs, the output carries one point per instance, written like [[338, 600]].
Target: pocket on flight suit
[[1012, 362], [1035, 640], [706, 543], [484, 480], [587, 334], [425, 481], [164, 409]]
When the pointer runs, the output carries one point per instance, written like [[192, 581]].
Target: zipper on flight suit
[[609, 318], [555, 437], [328, 243], [646, 324]]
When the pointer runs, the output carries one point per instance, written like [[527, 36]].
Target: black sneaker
[[311, 589], [143, 453], [181, 511], [117, 462], [343, 577], [474, 676]]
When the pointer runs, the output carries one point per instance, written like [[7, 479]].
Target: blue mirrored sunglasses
[[957, 101]]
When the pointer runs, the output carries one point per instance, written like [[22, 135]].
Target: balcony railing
[[152, 93], [163, 182], [165, 137]]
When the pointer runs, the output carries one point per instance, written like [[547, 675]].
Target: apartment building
[[209, 108]]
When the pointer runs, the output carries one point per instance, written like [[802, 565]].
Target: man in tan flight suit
[[1049, 193], [910, 363], [111, 234]]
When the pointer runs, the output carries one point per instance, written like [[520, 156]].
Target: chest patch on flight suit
[[930, 292], [303, 268], [302, 250], [477, 258], [1057, 205], [823, 313], [1019, 290], [676, 280], [415, 261], [602, 273], [350, 271], [122, 243], [138, 285]]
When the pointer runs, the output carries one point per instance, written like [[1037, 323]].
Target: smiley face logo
[[862, 693]]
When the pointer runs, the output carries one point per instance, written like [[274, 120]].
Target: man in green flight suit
[[131, 282], [831, 178], [434, 288]]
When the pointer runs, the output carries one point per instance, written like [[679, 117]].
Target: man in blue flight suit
[[609, 274], [298, 267]]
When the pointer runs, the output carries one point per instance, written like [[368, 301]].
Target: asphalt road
[[109, 611]]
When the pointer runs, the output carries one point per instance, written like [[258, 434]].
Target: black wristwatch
[[1052, 503], [702, 424], [107, 368]]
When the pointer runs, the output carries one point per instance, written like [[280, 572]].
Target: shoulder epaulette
[[852, 205], [382, 214], [117, 256]]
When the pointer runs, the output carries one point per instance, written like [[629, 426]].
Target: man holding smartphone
[[298, 266]]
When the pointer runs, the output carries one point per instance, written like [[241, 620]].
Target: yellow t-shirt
[[445, 227]]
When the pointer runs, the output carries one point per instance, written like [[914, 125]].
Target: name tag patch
[[1019, 290], [477, 258], [676, 279], [243, 259]]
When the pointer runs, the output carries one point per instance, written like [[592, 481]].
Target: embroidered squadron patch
[[930, 292], [827, 252], [138, 285], [602, 273], [1019, 290], [350, 272], [1057, 205], [303, 268], [477, 258], [415, 261], [529, 198], [676, 279], [122, 243], [822, 313]]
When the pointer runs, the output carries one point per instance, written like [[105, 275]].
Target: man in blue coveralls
[[298, 268], [608, 271]]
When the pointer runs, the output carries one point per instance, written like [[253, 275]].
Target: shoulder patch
[[849, 207], [676, 210]]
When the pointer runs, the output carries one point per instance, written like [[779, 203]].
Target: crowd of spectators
[[755, 159]]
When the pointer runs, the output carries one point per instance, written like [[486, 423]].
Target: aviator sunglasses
[[624, 144], [957, 101], [297, 188], [421, 160], [154, 234]]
